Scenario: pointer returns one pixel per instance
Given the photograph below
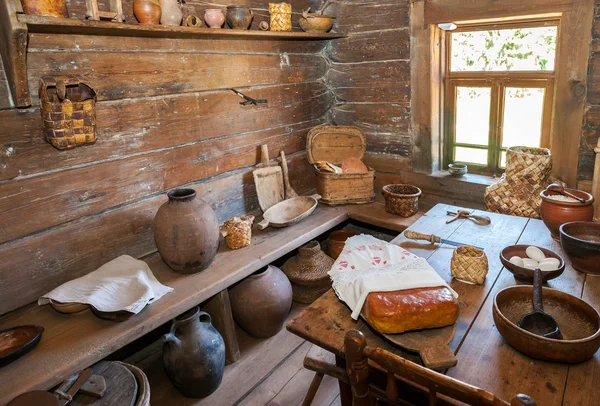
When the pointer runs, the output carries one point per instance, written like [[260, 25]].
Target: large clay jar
[[194, 354], [171, 13], [214, 17], [186, 232], [239, 17], [261, 303], [52, 8], [147, 11], [555, 213]]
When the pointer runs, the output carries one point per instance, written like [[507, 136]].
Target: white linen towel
[[370, 265], [124, 283]]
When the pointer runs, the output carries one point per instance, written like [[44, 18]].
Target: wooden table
[[484, 358]]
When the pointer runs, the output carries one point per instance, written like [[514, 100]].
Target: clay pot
[[214, 17], [147, 11], [186, 232], [261, 303], [194, 354], [171, 13], [239, 17], [51, 8], [555, 213], [337, 240], [581, 242]]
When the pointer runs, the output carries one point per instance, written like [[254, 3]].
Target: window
[[499, 88]]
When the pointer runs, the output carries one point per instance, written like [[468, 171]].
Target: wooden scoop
[[556, 187], [539, 322]]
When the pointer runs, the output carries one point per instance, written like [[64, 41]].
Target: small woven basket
[[469, 264], [401, 200], [281, 16], [307, 273], [68, 111], [238, 232]]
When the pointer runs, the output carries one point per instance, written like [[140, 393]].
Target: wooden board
[[121, 387], [372, 46], [268, 182], [369, 15]]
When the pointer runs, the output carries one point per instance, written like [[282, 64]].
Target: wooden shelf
[[56, 25]]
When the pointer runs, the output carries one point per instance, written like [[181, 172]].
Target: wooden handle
[[264, 155], [538, 281], [438, 358], [263, 224], [289, 192], [413, 235]]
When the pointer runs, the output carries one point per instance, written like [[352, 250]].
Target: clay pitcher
[[214, 17], [51, 8], [147, 11], [171, 13], [239, 17], [261, 303], [194, 354], [186, 232]]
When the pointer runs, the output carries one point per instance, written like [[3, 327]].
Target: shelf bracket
[[13, 49]]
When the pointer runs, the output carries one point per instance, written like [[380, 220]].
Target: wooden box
[[332, 144]]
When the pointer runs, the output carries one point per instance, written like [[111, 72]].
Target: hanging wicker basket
[[469, 264], [401, 200], [307, 272], [280, 16]]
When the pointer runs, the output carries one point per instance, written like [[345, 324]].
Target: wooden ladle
[[556, 187], [539, 322]]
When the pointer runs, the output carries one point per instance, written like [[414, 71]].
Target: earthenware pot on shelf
[[186, 232], [171, 13], [261, 303], [214, 17], [147, 11], [194, 354], [555, 213], [581, 242], [239, 17]]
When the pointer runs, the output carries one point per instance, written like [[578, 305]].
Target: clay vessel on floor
[[194, 354], [147, 11], [261, 303], [239, 17], [214, 17], [171, 13], [186, 232]]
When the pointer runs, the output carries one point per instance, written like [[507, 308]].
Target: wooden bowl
[[68, 308], [337, 240], [18, 341], [316, 23], [524, 274], [578, 321], [555, 213], [581, 242]]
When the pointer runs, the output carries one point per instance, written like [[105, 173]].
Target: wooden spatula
[[289, 191], [431, 344], [268, 181]]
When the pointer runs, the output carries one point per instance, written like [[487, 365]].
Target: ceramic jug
[[214, 17], [147, 11], [171, 13], [194, 354]]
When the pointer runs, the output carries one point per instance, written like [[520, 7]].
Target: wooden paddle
[[289, 191], [431, 344], [268, 182]]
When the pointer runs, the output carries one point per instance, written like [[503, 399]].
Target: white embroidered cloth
[[370, 265], [124, 283]]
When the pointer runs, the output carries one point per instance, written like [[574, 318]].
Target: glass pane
[[503, 159], [470, 155], [528, 49], [473, 115], [523, 112]]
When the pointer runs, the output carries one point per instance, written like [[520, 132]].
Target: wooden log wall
[[165, 119]]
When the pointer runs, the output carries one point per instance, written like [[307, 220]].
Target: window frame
[[498, 82]]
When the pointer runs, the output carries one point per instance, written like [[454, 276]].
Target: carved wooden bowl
[[524, 274]]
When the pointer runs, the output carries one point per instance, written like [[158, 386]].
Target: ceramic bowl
[[581, 242], [524, 274], [579, 324], [457, 169], [555, 213], [316, 23], [337, 240], [18, 341]]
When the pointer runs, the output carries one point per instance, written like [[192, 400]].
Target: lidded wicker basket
[[401, 200], [68, 111], [307, 272], [237, 232], [280, 16], [469, 264]]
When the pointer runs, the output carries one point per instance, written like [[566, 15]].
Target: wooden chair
[[357, 359]]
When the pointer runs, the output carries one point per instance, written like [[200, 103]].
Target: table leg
[[345, 390]]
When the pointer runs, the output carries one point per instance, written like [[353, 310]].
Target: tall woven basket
[[68, 111], [281, 16], [307, 272], [518, 191]]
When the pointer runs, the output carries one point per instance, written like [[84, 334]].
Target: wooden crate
[[332, 144]]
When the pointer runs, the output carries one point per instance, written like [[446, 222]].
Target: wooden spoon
[[556, 187], [539, 322]]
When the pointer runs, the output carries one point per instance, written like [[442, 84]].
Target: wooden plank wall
[[165, 119]]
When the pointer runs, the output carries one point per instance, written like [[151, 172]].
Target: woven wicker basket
[[68, 111], [518, 191], [469, 264], [238, 232], [307, 272], [401, 200], [281, 16]]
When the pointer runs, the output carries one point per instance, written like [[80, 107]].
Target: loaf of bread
[[411, 309], [353, 165]]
